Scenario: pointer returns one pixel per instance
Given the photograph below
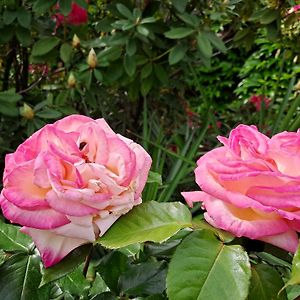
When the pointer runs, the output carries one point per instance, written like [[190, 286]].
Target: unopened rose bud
[[75, 41], [92, 59], [297, 86], [26, 112], [71, 80]]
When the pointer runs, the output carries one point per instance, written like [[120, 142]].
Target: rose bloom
[[251, 186], [70, 181]]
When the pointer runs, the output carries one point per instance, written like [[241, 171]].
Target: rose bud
[[26, 112], [92, 59]]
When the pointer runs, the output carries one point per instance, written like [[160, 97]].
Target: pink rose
[[251, 186], [70, 181]]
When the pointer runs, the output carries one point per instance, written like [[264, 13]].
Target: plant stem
[[87, 261]]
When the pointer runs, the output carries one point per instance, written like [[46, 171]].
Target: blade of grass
[[289, 116], [283, 105], [184, 168]]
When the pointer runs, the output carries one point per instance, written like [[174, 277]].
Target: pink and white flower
[[251, 186], [70, 181]]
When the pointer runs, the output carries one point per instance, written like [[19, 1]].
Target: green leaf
[[105, 296], [145, 278], [10, 96], [66, 266], [9, 110], [224, 236], [266, 282], [143, 30], [125, 11], [179, 33], [12, 239], [180, 5], [150, 221], [216, 41], [82, 3], [9, 16], [146, 85], [20, 277], [161, 74], [7, 33], [86, 78], [111, 267], [45, 45], [131, 47], [66, 52], [49, 113], [99, 286], [177, 54], [24, 17], [23, 36], [146, 70], [211, 270], [189, 19], [65, 7], [98, 75], [265, 16], [154, 177], [148, 20], [129, 64], [41, 6], [74, 283], [204, 44]]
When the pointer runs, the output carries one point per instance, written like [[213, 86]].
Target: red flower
[[77, 16], [257, 100]]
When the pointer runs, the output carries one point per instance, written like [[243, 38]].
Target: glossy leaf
[[11, 239], [125, 11], [20, 277], [44, 46], [146, 85], [111, 267], [179, 33], [180, 5], [99, 286], [216, 41], [149, 221], [65, 6], [204, 44], [131, 47], [161, 74], [177, 54], [66, 266], [74, 283], [211, 269], [129, 64], [146, 70], [41, 6], [144, 278], [9, 16], [266, 282], [23, 36], [66, 51], [200, 223], [24, 17]]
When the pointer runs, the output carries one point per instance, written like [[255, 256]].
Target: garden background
[[171, 75]]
